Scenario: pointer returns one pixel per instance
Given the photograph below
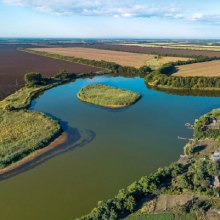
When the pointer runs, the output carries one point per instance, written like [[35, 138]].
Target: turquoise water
[[108, 149]]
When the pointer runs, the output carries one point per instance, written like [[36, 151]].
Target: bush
[[64, 75], [167, 69], [33, 79]]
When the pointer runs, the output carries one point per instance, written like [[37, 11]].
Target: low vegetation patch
[[107, 96], [23, 132], [35, 84]]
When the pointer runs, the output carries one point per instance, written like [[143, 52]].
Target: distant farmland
[[123, 58], [209, 69], [176, 46], [14, 64], [155, 50]]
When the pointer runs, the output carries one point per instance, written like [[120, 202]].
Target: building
[[216, 156]]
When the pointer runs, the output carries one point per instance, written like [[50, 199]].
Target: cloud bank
[[115, 8]]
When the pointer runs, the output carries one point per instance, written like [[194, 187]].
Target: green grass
[[154, 64], [107, 96], [23, 132], [19, 99], [164, 216], [22, 98]]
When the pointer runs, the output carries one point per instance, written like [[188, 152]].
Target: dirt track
[[14, 64]]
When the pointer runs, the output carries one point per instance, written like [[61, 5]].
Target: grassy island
[[107, 96]]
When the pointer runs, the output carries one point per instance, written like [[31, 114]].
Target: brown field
[[14, 64], [177, 46], [154, 50], [208, 69], [123, 58]]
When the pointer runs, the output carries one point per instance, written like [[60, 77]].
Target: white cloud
[[197, 16], [115, 8]]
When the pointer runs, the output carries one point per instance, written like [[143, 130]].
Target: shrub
[[33, 79], [167, 69], [64, 75]]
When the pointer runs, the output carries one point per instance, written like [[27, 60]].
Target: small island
[[108, 96]]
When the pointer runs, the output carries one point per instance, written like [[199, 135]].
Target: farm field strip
[[206, 69], [177, 46], [14, 64], [123, 58], [155, 50]]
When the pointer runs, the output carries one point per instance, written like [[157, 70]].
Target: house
[[213, 120], [216, 182], [216, 156]]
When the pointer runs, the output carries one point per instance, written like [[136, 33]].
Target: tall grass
[[23, 132]]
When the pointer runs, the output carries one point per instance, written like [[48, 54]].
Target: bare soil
[[14, 64]]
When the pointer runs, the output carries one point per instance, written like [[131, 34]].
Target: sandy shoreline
[[57, 142]]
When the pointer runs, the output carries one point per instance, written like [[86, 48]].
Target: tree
[[130, 203], [33, 79], [64, 75]]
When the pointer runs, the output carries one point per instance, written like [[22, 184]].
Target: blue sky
[[110, 18]]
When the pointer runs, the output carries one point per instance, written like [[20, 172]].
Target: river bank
[[55, 143], [109, 155], [191, 183]]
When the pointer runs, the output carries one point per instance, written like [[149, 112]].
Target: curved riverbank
[[189, 182], [55, 143], [118, 155]]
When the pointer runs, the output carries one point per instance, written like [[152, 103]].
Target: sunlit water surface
[[112, 148]]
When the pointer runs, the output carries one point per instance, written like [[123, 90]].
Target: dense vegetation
[[175, 179], [34, 79], [201, 130], [107, 96], [23, 132], [198, 59], [195, 176], [158, 79], [128, 200]]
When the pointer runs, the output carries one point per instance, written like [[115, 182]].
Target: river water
[[107, 149]]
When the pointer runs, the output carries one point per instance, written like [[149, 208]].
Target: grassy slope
[[107, 96]]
